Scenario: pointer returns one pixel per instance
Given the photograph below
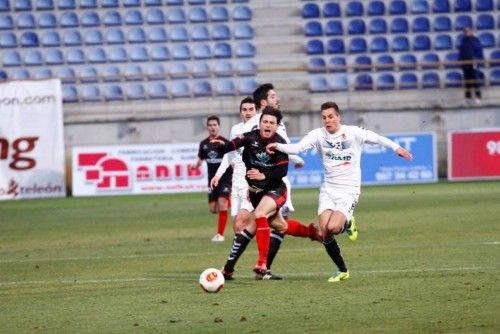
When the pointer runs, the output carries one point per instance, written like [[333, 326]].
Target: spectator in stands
[[470, 50]]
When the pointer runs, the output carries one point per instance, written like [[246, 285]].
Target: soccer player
[[218, 197], [340, 147]]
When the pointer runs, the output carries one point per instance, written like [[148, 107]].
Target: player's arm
[[276, 174], [196, 164], [374, 138], [224, 165], [228, 146], [303, 145]]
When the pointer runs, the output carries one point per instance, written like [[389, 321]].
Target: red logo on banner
[[17, 151], [107, 172]]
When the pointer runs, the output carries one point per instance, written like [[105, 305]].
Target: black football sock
[[274, 247], [240, 243], [333, 250]]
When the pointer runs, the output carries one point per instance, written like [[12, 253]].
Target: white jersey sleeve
[[306, 143], [374, 138]]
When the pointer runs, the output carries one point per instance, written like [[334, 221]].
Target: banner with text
[[378, 164], [31, 140], [474, 155], [137, 169]]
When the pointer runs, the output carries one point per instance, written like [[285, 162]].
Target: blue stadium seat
[[421, 43], [463, 6], [131, 3], [72, 38], [362, 64], [310, 10], [495, 58], [495, 78], [243, 31], [385, 81], [357, 45], [93, 37], [44, 5], [200, 70], [180, 89], [139, 54], [245, 49], [66, 74], [112, 18], [199, 33], [223, 69], [90, 19], [29, 39], [197, 15], [115, 36], [88, 4], [430, 80], [453, 79], [407, 61], [219, 14], [463, 21], [176, 15], [20, 5], [440, 6], [338, 83], [55, 57], [136, 35], [375, 8], [247, 86], [20, 74], [313, 28], [8, 40], [33, 58], [421, 24], [334, 28], [397, 7], [356, 27], [419, 7], [133, 72], [430, 61], [155, 72], [334, 45], [451, 59], [196, 2], [68, 20], [47, 20], [384, 63], [487, 40], [318, 84], [113, 93], [157, 90], [337, 64], [315, 47], [155, 16], [135, 91], [117, 55], [408, 81], [96, 56], [202, 88], [179, 34], [70, 94], [3, 75], [11, 58], [180, 52], [222, 50], [42, 73], [442, 23], [133, 17], [378, 26], [363, 82], [443, 42], [316, 65], [90, 93], [484, 5], [175, 2], [354, 8], [379, 44], [242, 13], [221, 32], [246, 67], [160, 53], [66, 4], [111, 73], [25, 21], [88, 74], [399, 25], [75, 56], [6, 22], [225, 87], [110, 3], [4, 6], [485, 22], [201, 51]]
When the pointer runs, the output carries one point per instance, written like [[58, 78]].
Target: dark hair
[[247, 99], [261, 93], [213, 118], [273, 112], [328, 105]]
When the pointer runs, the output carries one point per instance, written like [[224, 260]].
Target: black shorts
[[222, 190], [278, 194]]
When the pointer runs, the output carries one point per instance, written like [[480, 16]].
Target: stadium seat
[[242, 13], [157, 90], [196, 2], [90, 93], [42, 73], [47, 20], [243, 31], [133, 72], [247, 86], [29, 39], [399, 25], [221, 32], [421, 43], [25, 21], [131, 3], [318, 84], [384, 63], [495, 58], [315, 47], [3, 75], [111, 73], [407, 61], [55, 57], [419, 7], [22, 5], [441, 6], [6, 22], [223, 69], [463, 21], [93, 37], [115, 36], [430, 61], [442, 23], [375, 8], [362, 64], [378, 26], [68, 20], [33, 58], [66, 4], [117, 55], [338, 83], [451, 59], [487, 40], [225, 87], [11, 58], [72, 38], [397, 7], [139, 54], [334, 45], [363, 82], [200, 70], [155, 72], [385, 81], [8, 40], [88, 74], [495, 77], [136, 35], [354, 8], [484, 5], [463, 6], [19, 74], [197, 15], [334, 28], [222, 50], [88, 4], [110, 3], [421, 24], [155, 16], [96, 56], [202, 88], [180, 52], [356, 27], [245, 49], [442, 42], [337, 64], [180, 89], [246, 67], [330, 9], [453, 79], [44, 5], [316, 65], [313, 28], [201, 51], [379, 44], [178, 34], [133, 17], [175, 2], [199, 33], [176, 15], [400, 43], [90, 19], [153, 2], [310, 10], [135, 91], [66, 74], [485, 22], [160, 53], [219, 14], [112, 18], [408, 81], [70, 94], [430, 80], [4, 6], [113, 93]]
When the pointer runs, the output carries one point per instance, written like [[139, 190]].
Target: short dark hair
[[329, 104], [268, 110], [261, 93], [247, 99], [213, 118]]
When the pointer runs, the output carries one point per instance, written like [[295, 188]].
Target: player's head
[[247, 109], [213, 123], [269, 120], [331, 116], [468, 31], [265, 95]]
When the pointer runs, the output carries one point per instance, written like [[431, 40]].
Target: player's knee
[[334, 228]]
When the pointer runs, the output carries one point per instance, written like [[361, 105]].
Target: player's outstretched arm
[[404, 153]]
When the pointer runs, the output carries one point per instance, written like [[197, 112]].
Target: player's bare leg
[[329, 222]]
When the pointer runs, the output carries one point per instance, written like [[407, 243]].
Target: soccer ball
[[211, 280]]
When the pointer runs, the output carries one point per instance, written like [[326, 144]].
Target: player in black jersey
[[218, 197]]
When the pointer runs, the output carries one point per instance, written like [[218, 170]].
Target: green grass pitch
[[426, 261]]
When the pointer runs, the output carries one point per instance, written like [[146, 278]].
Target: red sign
[[474, 155]]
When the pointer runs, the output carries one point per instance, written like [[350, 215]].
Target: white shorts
[[337, 200], [239, 199], [288, 206]]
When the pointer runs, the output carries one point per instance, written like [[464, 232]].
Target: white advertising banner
[[31, 140], [137, 169]]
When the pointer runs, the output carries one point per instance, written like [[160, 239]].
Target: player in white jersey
[[340, 148]]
